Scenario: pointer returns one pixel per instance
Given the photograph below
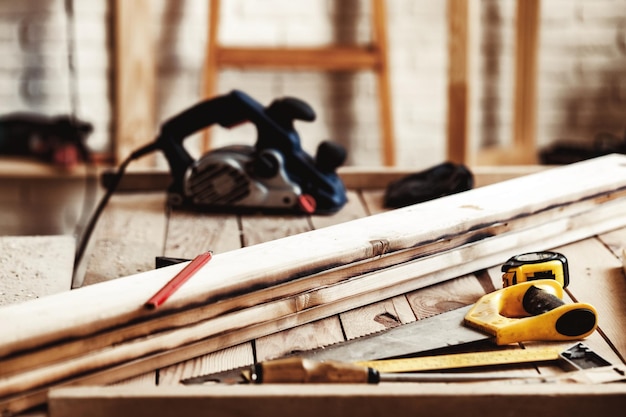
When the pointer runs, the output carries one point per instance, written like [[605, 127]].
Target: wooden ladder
[[371, 57]]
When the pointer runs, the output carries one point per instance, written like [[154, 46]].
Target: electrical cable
[[91, 172], [82, 246]]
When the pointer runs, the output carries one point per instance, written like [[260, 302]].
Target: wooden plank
[[354, 209], [380, 47], [301, 338], [615, 241], [333, 244], [228, 358], [374, 201], [211, 68], [259, 228], [360, 285], [337, 58], [135, 78], [338, 399], [525, 105], [444, 297], [458, 83], [189, 234], [34, 267], [127, 238], [376, 317], [328, 300]]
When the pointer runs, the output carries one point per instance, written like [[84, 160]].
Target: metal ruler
[[464, 360]]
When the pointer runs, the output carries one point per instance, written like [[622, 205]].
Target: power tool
[[535, 265], [274, 174]]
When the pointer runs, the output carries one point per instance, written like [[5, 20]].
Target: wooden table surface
[[136, 227]]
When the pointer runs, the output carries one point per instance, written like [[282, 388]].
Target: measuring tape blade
[[463, 360]]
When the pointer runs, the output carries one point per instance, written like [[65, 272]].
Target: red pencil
[[179, 279]]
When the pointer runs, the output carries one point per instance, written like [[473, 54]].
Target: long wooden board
[[260, 266], [334, 285], [339, 400]]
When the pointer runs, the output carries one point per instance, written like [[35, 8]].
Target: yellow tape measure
[[464, 360]]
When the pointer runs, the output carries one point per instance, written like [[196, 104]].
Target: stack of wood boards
[[102, 333]]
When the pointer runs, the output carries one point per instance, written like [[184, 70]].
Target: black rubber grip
[[537, 301], [576, 322]]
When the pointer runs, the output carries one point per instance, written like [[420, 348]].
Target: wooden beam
[[353, 241], [329, 58], [329, 294], [525, 105], [338, 400], [134, 78], [385, 107], [211, 68], [458, 82]]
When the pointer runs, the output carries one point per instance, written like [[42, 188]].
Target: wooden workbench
[[136, 227]]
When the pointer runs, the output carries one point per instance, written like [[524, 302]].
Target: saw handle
[[300, 370], [534, 311]]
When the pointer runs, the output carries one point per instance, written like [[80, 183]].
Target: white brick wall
[[582, 82]]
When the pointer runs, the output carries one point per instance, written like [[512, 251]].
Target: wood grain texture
[[376, 317], [458, 83], [447, 296], [189, 234], [526, 57], [352, 210], [305, 337], [127, 238], [342, 244], [135, 81], [339, 399], [228, 358]]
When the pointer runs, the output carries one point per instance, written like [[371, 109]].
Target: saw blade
[[436, 332], [440, 331]]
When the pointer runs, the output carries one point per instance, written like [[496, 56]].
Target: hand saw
[[529, 311]]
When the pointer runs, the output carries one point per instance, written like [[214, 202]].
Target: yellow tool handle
[[300, 370], [531, 310]]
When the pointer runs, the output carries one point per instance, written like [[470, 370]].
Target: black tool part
[[576, 322], [537, 301], [163, 261], [441, 180], [572, 323], [41, 136], [581, 356], [567, 151], [274, 124]]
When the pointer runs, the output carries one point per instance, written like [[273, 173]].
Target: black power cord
[[115, 181]]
